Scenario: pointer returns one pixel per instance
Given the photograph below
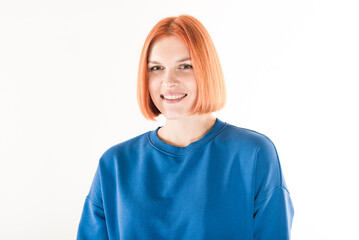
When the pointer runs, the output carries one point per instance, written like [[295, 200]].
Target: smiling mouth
[[173, 97]]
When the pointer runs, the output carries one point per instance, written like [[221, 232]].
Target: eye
[[186, 66], [155, 68]]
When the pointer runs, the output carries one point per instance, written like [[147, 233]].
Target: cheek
[[192, 84], [151, 86], [189, 79], [153, 89]]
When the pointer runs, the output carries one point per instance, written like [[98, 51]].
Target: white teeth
[[174, 97]]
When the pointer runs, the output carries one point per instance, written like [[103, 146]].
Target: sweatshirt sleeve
[[273, 209], [92, 224]]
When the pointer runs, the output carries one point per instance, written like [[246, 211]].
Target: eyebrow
[[181, 60]]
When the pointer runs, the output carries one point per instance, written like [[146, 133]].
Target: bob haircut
[[211, 95]]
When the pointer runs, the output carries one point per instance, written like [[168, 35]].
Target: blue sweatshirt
[[227, 185]]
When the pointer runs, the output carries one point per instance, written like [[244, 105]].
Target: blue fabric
[[227, 185]]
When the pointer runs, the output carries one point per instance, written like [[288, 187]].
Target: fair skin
[[173, 89]]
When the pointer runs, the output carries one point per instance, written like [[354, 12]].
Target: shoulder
[[125, 148], [247, 137]]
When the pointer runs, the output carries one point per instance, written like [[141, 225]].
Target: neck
[[182, 132]]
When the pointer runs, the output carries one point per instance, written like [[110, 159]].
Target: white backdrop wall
[[68, 92]]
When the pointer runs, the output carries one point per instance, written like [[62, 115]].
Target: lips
[[173, 97]]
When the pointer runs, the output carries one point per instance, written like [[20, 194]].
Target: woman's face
[[172, 84]]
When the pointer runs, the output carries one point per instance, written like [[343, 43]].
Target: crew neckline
[[169, 149]]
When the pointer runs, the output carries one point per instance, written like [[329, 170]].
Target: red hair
[[211, 95]]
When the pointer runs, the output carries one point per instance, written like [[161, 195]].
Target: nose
[[170, 79]]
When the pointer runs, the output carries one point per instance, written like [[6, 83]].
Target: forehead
[[167, 49]]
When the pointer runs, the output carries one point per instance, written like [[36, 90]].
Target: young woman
[[196, 177]]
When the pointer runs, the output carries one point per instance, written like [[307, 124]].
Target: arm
[[273, 209], [93, 223]]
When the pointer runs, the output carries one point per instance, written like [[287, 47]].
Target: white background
[[68, 72]]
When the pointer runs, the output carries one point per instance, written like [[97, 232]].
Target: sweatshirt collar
[[169, 149]]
